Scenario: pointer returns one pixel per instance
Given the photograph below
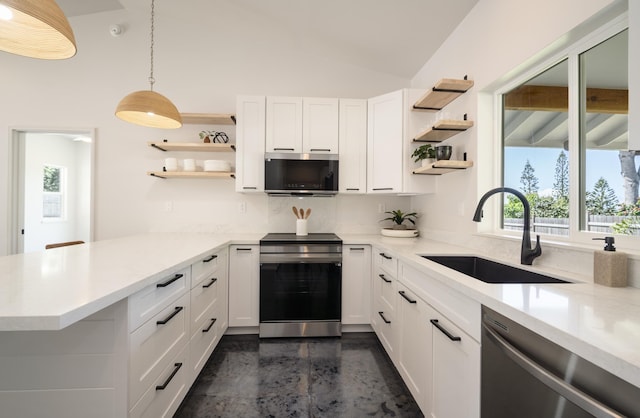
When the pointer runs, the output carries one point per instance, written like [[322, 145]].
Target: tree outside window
[[53, 192]]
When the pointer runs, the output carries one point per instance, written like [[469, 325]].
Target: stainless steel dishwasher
[[527, 376]]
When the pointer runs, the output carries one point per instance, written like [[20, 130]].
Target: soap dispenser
[[609, 265]]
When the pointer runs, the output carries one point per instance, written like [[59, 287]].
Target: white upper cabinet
[[352, 135], [250, 143], [319, 125], [384, 166], [391, 127], [284, 124]]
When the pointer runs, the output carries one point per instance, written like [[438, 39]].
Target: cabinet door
[[244, 282], [250, 143], [384, 143], [356, 284], [455, 389], [414, 344], [353, 146], [319, 125], [284, 124]]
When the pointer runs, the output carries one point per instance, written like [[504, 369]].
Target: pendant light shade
[[36, 29], [146, 107]]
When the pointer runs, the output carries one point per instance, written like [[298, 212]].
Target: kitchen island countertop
[[53, 289]]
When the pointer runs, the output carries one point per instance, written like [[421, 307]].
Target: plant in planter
[[425, 153], [398, 217]]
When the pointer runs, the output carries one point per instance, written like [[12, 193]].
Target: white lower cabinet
[[414, 344], [437, 357], [455, 387], [244, 285], [383, 318], [209, 313], [356, 284]]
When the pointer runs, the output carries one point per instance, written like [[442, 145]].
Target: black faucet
[[527, 254]]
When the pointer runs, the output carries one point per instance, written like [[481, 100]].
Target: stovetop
[[317, 238]]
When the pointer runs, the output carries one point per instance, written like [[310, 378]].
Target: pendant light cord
[[151, 79]]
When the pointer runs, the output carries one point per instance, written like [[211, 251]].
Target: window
[[53, 192], [554, 162]]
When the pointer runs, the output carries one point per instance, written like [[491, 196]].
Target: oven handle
[[581, 399], [298, 258]]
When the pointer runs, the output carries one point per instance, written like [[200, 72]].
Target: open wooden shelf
[[192, 146], [208, 118], [192, 174], [444, 92], [443, 167], [443, 129]]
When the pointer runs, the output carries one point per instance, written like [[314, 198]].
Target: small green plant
[[423, 152], [398, 217]]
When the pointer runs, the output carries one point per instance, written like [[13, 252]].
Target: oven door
[[300, 292]]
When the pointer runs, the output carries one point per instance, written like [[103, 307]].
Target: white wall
[[201, 63], [492, 44]]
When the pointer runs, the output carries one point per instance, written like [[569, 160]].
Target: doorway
[[51, 188]]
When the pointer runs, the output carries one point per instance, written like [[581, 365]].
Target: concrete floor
[[349, 376]]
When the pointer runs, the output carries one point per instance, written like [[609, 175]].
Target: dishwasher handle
[[550, 380]]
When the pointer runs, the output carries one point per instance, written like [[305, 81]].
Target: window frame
[[576, 185], [62, 193]]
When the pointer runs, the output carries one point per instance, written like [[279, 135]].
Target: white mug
[[189, 164], [171, 164]]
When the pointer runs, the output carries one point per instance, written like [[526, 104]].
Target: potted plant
[[398, 217], [425, 153]]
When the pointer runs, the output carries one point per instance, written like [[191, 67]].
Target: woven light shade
[[37, 29], [148, 108]]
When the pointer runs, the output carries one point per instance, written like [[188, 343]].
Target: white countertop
[[52, 289]]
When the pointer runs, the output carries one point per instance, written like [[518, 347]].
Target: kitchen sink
[[489, 271]]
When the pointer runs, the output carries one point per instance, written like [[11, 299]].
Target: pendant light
[[36, 29], [146, 107]]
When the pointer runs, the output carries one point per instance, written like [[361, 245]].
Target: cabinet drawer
[[387, 261], [460, 309], [166, 392], [204, 297], [150, 300], [153, 345], [207, 267], [204, 340]]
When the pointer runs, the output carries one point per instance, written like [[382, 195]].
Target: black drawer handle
[[170, 378], [213, 321], [283, 149], [170, 317], [444, 331], [386, 321], [352, 189], [171, 280], [243, 249], [407, 298], [208, 285], [213, 257], [383, 188], [320, 149], [386, 256], [356, 248], [384, 278], [250, 188]]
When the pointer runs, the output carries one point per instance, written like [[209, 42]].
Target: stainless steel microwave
[[301, 174]]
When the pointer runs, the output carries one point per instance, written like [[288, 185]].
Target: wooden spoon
[[295, 211], [306, 215]]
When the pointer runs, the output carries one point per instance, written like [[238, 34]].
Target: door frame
[[15, 243]]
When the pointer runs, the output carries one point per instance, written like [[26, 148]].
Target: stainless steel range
[[300, 285]]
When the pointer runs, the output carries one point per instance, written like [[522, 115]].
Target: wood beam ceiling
[[556, 99]]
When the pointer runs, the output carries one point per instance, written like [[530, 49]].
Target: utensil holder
[[301, 227]]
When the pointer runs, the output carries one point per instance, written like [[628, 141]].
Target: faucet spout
[[527, 254]]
